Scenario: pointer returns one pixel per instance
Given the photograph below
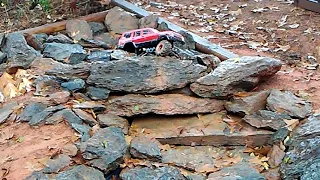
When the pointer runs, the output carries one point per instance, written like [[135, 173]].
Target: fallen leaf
[[282, 48], [207, 168], [10, 91], [20, 139], [291, 124], [128, 139], [275, 155], [262, 151], [5, 79], [260, 161], [165, 147]]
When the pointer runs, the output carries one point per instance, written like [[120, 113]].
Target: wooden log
[[202, 44], [60, 26]]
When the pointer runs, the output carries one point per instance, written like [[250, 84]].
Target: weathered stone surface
[[163, 27], [107, 38], [99, 55], [59, 38], [6, 111], [65, 114], [83, 130], [279, 136], [46, 85], [90, 105], [276, 154], [86, 117], [70, 150], [166, 172], [236, 75], [60, 97], [2, 39], [267, 119], [303, 156], [78, 29], [80, 172], [74, 85], [145, 148], [56, 164], [119, 54], [119, 21], [248, 104], [60, 70], [19, 53], [97, 28], [209, 60], [204, 130], [150, 21], [107, 120], [287, 103], [36, 40], [239, 171], [37, 175], [196, 177], [94, 43], [77, 58], [183, 54], [41, 116], [189, 41], [98, 93], [168, 104], [61, 52], [30, 110], [146, 75], [3, 57], [105, 149], [272, 174]]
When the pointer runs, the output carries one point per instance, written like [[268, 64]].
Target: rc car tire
[[163, 48]]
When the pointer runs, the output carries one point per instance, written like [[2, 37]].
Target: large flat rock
[[206, 130], [236, 75], [166, 172], [167, 104], [145, 75]]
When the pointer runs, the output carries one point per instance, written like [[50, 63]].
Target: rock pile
[[122, 105]]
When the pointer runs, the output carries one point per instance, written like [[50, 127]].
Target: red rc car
[[135, 40]]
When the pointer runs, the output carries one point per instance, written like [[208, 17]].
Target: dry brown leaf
[[25, 85], [242, 94], [275, 156], [10, 91], [5, 79], [234, 126], [291, 124], [282, 48], [165, 147], [94, 129], [207, 168], [263, 151], [260, 161], [128, 139]]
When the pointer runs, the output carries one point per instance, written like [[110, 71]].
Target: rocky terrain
[[75, 107]]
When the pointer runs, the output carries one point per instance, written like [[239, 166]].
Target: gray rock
[[2, 39], [279, 136], [97, 28], [86, 117], [30, 110], [59, 38], [66, 115], [98, 93], [83, 130], [90, 105], [163, 27], [19, 53], [146, 75], [56, 164], [107, 120], [77, 58], [161, 173], [3, 57], [303, 157], [267, 119], [189, 41], [37, 40], [183, 54], [105, 149], [248, 104], [110, 41], [6, 111], [196, 177], [78, 29], [38, 175], [119, 21], [41, 116], [100, 55], [119, 54], [94, 43], [236, 75], [60, 97], [150, 21], [46, 85], [209, 60], [287, 103], [70, 150], [74, 85], [145, 148], [42, 37], [240, 171], [61, 52], [80, 172]]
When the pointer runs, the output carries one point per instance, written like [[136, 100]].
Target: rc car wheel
[[163, 48]]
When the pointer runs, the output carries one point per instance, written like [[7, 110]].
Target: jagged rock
[[65, 114], [3, 57], [83, 130], [150, 21], [267, 119], [287, 103], [80, 172], [90, 105], [94, 43], [303, 156], [56, 164], [78, 29], [61, 52], [77, 58], [36, 40], [144, 75], [6, 111], [279, 136], [59, 38], [145, 148], [166, 172], [119, 54], [98, 93], [189, 41], [248, 104], [60, 97], [163, 27], [236, 75], [48, 66], [41, 116], [107, 38], [30, 110], [183, 54], [105, 149], [86, 117], [37, 175], [74, 85], [239, 171], [209, 60], [70, 150], [107, 120], [19, 53], [167, 104], [97, 28], [119, 21], [41, 38], [46, 85], [100, 55]]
